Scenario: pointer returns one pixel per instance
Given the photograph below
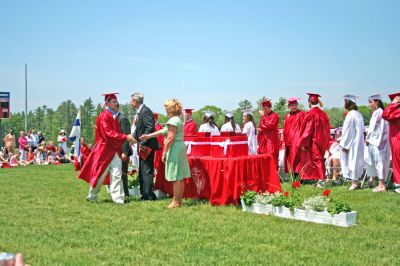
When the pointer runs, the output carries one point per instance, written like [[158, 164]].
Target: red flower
[[250, 184], [326, 193], [296, 184], [286, 194]]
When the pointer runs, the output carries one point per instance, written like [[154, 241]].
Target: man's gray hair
[[137, 96]]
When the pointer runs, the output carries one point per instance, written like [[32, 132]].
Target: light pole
[[26, 97]]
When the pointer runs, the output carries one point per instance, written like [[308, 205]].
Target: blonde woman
[[174, 155]]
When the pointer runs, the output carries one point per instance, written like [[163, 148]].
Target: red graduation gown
[[108, 141], [392, 115], [291, 126], [314, 137], [190, 128], [161, 182], [158, 153], [268, 137]]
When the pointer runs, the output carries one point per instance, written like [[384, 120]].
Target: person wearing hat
[[189, 126], [105, 158], [268, 132], [144, 124], [311, 142], [291, 125], [392, 115], [62, 140], [352, 142], [377, 141], [249, 128], [209, 124], [230, 125]]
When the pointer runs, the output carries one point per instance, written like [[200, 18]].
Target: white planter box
[[134, 191], [262, 209], [247, 208], [344, 219], [283, 212], [300, 215]]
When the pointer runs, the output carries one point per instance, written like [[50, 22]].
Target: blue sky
[[201, 52]]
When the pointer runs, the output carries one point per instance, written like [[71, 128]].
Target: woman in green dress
[[174, 155]]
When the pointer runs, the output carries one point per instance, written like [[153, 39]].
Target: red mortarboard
[[108, 96], [293, 100], [188, 111], [266, 103], [313, 96], [392, 96], [155, 115]]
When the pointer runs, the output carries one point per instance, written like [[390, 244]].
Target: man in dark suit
[[126, 152], [144, 124]]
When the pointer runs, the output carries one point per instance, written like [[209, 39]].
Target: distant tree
[[88, 111], [67, 113], [127, 110], [280, 107], [336, 116], [366, 113], [50, 130], [245, 104], [38, 118]]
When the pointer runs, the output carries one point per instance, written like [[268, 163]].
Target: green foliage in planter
[[249, 197], [337, 206], [279, 200], [292, 202]]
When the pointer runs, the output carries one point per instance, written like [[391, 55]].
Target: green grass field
[[44, 215]]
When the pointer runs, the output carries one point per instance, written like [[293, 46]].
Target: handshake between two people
[[132, 140]]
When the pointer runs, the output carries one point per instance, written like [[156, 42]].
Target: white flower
[[317, 203]]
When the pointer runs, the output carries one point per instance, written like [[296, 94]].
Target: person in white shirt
[[230, 125], [62, 140], [249, 128], [209, 124], [30, 139], [333, 158], [352, 142], [35, 139], [377, 139]]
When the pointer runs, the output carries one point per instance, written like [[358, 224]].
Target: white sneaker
[[397, 190]]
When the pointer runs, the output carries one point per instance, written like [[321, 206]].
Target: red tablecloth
[[221, 180]]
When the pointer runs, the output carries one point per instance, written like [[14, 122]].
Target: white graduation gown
[[352, 140], [250, 131], [378, 160], [207, 128], [227, 127]]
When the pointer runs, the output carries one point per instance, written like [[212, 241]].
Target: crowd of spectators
[[31, 147]]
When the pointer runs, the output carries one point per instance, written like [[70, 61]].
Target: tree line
[[51, 121]]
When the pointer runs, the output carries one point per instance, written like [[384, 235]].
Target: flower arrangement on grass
[[324, 203], [293, 201], [249, 197]]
